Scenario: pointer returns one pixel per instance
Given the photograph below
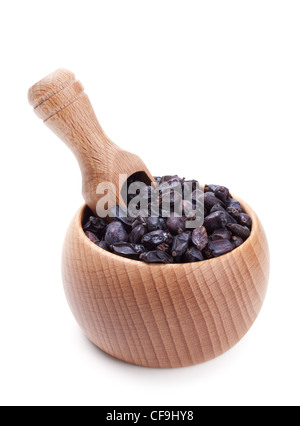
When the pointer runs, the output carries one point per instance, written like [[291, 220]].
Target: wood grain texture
[[164, 315], [60, 101]]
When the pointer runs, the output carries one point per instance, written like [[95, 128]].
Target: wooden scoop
[[60, 101]]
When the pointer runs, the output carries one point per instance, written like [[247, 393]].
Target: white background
[[205, 89]]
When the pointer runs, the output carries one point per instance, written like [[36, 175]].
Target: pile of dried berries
[[167, 240]]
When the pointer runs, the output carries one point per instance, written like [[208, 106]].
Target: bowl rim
[[247, 209]]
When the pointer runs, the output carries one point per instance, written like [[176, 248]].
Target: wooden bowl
[[164, 315]]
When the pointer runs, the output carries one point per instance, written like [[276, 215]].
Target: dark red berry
[[200, 237], [221, 234], [233, 212], [229, 218], [154, 238], [215, 221], [131, 251], [239, 230], [193, 255], [210, 200], [232, 203], [219, 247], [217, 208], [180, 244], [155, 223], [176, 225], [244, 219], [96, 225], [137, 234], [115, 233], [156, 256], [121, 214], [92, 236], [222, 193], [140, 220], [237, 241]]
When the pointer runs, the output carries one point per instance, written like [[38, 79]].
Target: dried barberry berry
[[96, 225], [215, 221], [131, 251], [115, 233], [210, 200], [92, 236], [156, 256], [244, 219], [200, 237], [232, 203], [153, 223], [237, 241], [188, 209], [140, 220], [193, 255], [217, 208], [221, 234], [222, 193], [121, 214], [176, 225], [239, 230], [229, 218], [154, 238], [180, 244], [137, 234], [219, 247]]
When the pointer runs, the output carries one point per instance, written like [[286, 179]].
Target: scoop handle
[[59, 100]]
